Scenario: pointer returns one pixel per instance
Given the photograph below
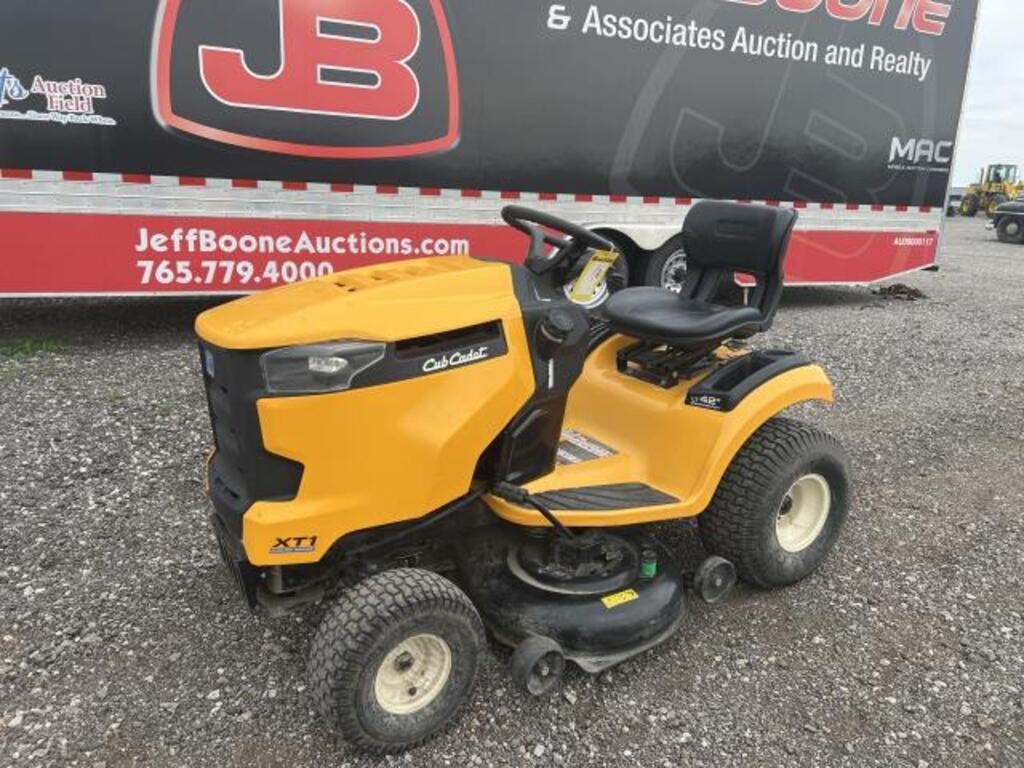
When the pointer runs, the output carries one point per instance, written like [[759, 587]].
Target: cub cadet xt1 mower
[[454, 445]]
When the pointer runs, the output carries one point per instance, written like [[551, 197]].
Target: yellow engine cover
[[391, 452]]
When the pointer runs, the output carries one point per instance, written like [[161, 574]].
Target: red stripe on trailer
[[651, 200], [617, 198], [878, 208], [853, 206], [472, 193], [15, 173], [510, 195], [77, 175], [57, 265], [801, 204], [684, 201], [245, 184], [342, 188], [294, 186], [136, 178], [827, 206], [583, 198], [849, 256], [430, 192], [925, 209], [387, 189], [773, 203], [547, 197], [902, 208], [191, 181]]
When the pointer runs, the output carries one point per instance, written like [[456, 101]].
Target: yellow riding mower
[[447, 445]]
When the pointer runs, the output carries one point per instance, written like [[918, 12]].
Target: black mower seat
[[720, 240], [656, 314]]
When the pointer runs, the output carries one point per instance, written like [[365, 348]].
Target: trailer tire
[[784, 462], [1010, 229], [618, 276], [666, 266], [395, 659]]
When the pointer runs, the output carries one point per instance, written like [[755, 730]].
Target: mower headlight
[[318, 368]]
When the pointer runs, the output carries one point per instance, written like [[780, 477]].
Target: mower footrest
[[610, 497]]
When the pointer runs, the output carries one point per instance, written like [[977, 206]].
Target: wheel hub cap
[[673, 273], [803, 513], [413, 674]]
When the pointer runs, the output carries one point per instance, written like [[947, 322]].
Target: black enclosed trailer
[[186, 146]]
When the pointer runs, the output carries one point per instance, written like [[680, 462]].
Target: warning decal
[[575, 448]]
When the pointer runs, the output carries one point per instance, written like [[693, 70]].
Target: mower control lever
[[517, 495]]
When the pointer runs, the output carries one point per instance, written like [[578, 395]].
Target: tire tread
[[726, 526], [352, 625]]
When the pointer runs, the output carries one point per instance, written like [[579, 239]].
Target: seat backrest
[[722, 239]]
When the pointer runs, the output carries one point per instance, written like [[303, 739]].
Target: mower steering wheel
[[531, 222]]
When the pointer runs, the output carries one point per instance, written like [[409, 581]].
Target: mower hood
[[387, 302]]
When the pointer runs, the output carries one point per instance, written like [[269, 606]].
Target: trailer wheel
[[1010, 229], [781, 504], [615, 280], [395, 659], [666, 267]]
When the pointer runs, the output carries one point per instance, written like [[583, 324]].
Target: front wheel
[[395, 659], [994, 202], [780, 506], [1010, 229]]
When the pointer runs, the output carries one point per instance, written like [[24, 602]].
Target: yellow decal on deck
[[619, 598]]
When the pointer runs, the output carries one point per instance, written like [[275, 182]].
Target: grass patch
[[29, 347]]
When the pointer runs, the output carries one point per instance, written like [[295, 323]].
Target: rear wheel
[[780, 506], [1010, 229], [395, 659], [969, 205]]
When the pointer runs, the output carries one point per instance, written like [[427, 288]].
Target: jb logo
[[321, 78], [337, 58]]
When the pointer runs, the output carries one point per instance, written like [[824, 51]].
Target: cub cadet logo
[[456, 359], [294, 545], [324, 78], [918, 153]]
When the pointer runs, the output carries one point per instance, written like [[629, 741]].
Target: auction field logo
[[66, 101], [315, 78]]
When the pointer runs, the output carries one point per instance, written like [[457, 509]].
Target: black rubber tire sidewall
[[527, 655], [655, 263], [740, 522], [1004, 236]]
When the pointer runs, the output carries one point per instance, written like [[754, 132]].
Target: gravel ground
[[122, 641]]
